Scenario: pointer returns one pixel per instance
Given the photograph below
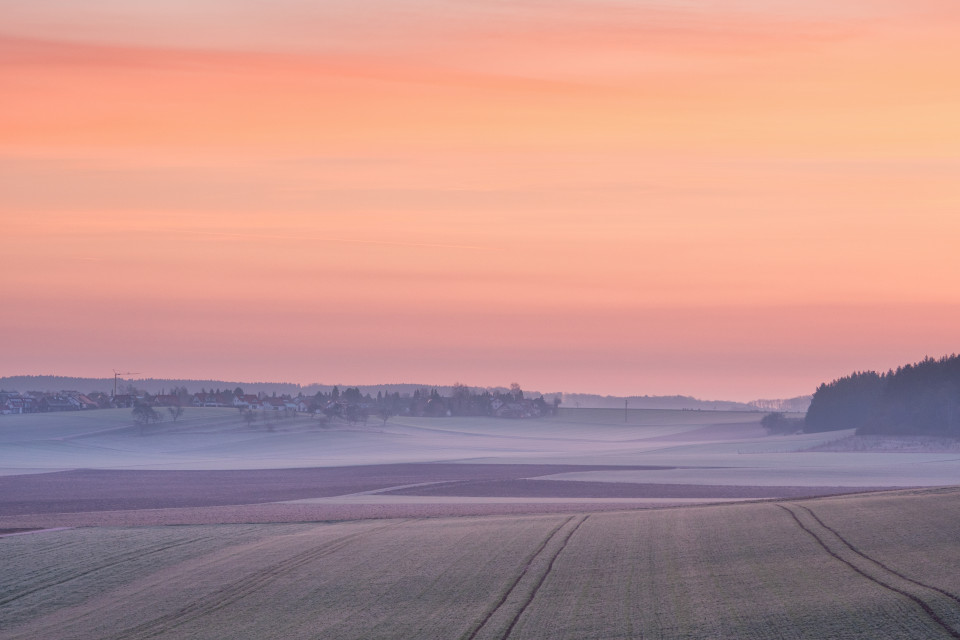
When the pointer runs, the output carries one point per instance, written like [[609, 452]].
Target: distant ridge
[[798, 404], [156, 385], [569, 400]]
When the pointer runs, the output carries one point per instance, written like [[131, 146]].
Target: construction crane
[[117, 374]]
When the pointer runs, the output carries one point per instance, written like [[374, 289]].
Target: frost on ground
[[220, 439], [348, 531], [901, 444], [877, 567], [214, 460]]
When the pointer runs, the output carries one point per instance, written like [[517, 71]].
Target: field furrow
[[499, 622], [513, 583], [744, 571], [56, 576], [543, 577], [914, 534], [49, 571], [242, 588], [419, 579], [937, 604], [917, 583]]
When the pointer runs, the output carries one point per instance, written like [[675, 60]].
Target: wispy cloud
[[319, 240]]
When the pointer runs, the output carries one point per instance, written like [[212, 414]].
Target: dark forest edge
[[917, 399]]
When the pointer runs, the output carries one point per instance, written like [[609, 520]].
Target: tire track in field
[[533, 594], [516, 580], [110, 561], [877, 562], [514, 585], [886, 581], [240, 589]]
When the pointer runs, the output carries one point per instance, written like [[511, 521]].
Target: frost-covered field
[[696, 448], [220, 439], [798, 469], [873, 567], [347, 531]]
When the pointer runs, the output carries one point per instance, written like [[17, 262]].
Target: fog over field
[[699, 447], [314, 248], [592, 523]]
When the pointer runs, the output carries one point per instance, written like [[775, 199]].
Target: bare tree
[[144, 414]]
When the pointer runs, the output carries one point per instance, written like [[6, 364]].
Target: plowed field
[[760, 570]]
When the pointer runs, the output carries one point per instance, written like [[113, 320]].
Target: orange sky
[[732, 199]]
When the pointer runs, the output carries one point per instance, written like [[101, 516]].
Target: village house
[[211, 399], [273, 404], [13, 402], [247, 401], [87, 402], [57, 403]]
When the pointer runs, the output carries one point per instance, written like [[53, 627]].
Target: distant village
[[350, 404]]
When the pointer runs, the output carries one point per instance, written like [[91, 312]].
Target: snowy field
[[697, 447], [707, 447], [295, 468], [219, 439], [468, 528]]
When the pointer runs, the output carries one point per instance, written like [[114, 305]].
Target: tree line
[[917, 399]]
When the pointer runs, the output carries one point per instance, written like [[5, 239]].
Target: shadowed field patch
[[532, 488], [109, 490]]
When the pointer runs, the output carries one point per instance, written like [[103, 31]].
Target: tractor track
[[109, 562], [513, 585], [531, 559], [240, 589], [536, 588], [886, 584], [877, 562]]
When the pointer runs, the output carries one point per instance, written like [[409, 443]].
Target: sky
[[730, 199]]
